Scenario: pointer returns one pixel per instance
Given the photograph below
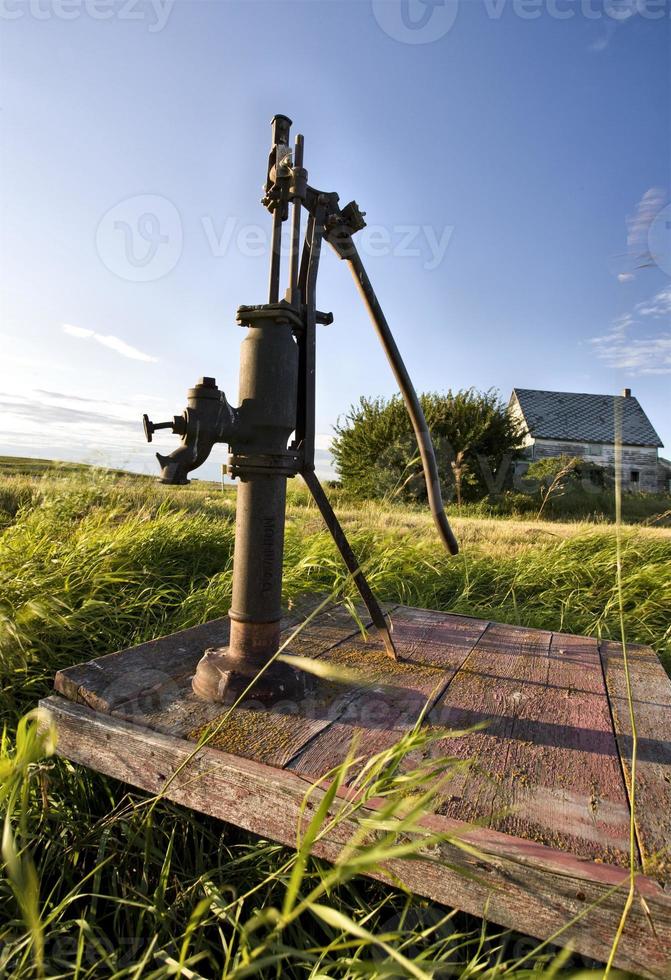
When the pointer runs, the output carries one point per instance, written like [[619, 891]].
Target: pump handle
[[410, 398]]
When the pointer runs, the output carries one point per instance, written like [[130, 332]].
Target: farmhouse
[[579, 424]]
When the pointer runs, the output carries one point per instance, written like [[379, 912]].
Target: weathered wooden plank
[[140, 671], [431, 647], [446, 641], [545, 767], [651, 700], [517, 883], [252, 730], [487, 690], [563, 783]]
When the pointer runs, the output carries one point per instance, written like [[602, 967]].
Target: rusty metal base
[[223, 676]]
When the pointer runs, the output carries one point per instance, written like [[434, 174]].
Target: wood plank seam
[[431, 701], [324, 653], [625, 782], [651, 696]]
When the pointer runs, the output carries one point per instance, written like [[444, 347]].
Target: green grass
[[33, 466], [92, 562]]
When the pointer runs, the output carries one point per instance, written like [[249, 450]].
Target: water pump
[[271, 435]]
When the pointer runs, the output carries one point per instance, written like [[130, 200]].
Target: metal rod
[[295, 227], [305, 254], [281, 126], [309, 337], [301, 406], [345, 549], [410, 398], [275, 256]]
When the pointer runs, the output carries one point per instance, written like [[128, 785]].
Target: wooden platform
[[546, 800]]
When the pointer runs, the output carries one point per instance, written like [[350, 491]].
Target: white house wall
[[638, 459]]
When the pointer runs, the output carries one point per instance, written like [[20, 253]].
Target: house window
[[635, 476]]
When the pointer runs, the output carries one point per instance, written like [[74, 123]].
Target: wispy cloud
[[67, 426], [621, 348], [63, 396], [621, 14], [658, 306], [638, 254], [601, 43], [108, 340], [33, 410], [639, 223]]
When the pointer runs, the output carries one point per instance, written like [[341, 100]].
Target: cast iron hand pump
[[277, 398]]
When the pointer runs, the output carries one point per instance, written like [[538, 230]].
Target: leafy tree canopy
[[475, 438]]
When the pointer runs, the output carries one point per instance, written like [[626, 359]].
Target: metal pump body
[[277, 399]]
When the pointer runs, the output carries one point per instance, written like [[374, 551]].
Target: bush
[[475, 438]]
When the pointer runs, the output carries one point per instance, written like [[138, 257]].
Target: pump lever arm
[[339, 236]]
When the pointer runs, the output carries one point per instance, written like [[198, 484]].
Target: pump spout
[[207, 419], [178, 464]]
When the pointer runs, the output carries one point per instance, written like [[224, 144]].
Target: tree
[[557, 476], [376, 455]]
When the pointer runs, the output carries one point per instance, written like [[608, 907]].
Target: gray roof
[[580, 417]]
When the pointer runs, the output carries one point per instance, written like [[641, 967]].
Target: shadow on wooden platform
[[545, 798]]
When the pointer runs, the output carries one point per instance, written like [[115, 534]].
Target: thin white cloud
[[109, 341], [121, 347], [621, 348], [659, 305], [638, 226], [618, 14], [601, 43], [80, 332]]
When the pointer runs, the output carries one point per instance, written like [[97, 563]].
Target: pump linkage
[[277, 399]]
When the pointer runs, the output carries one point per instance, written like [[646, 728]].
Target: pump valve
[[177, 425]]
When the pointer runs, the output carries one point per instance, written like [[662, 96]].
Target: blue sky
[[512, 157]]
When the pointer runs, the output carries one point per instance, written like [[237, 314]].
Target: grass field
[[93, 561]]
